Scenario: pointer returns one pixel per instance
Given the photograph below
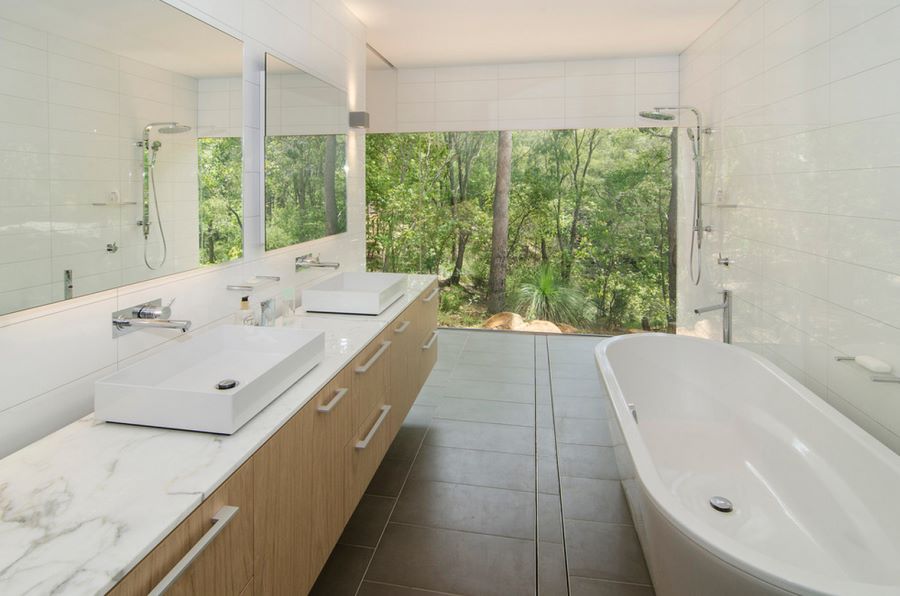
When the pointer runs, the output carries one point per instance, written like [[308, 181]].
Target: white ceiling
[[146, 30], [413, 33]]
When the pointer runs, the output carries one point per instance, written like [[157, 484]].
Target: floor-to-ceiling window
[[530, 230]]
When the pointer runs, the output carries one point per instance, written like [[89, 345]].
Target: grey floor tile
[[587, 461], [376, 589], [543, 395], [583, 586], [488, 372], [438, 378], [581, 407], [456, 562], [546, 440], [552, 580], [479, 468], [583, 431], [572, 356], [547, 475], [474, 410], [407, 442], [368, 521], [575, 370], [343, 571], [419, 416], [522, 393], [481, 435], [389, 478], [518, 359], [577, 388], [590, 499], [544, 416], [495, 511], [550, 522], [604, 551]]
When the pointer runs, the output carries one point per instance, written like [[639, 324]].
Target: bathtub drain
[[721, 504]]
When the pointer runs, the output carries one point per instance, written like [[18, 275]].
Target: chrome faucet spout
[[150, 315], [152, 324], [726, 308], [704, 309], [307, 261]]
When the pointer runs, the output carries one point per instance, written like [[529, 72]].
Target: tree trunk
[[331, 214], [460, 256], [500, 234], [672, 225]]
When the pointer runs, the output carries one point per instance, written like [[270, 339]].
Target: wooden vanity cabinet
[[428, 303], [225, 567], [296, 493]]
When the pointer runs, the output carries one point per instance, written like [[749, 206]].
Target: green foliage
[[546, 297], [296, 200], [221, 207], [593, 204]]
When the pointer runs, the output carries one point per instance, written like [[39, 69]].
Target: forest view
[[306, 188], [574, 227], [221, 168]]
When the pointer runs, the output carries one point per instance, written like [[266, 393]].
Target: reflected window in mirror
[[306, 163], [121, 147]]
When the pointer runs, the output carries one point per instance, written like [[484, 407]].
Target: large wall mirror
[[120, 146], [306, 156]]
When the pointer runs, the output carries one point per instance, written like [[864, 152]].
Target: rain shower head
[[166, 128], [174, 129], [657, 114]]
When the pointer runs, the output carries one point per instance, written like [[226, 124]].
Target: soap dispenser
[[244, 316]]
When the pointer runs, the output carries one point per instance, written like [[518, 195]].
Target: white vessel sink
[[177, 387], [355, 293]]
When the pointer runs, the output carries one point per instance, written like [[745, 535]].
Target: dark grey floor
[[501, 481]]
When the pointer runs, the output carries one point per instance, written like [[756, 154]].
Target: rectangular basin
[[355, 293], [177, 387]]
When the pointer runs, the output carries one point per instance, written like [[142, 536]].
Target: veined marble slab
[[82, 506]]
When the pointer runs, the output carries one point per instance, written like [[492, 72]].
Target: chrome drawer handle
[[338, 396], [402, 327], [430, 342], [431, 296], [365, 442], [365, 367], [220, 520]]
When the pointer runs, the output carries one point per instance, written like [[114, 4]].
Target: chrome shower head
[[657, 114], [174, 128], [166, 128]]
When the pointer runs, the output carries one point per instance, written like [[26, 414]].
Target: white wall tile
[[801, 96], [53, 354], [578, 94]]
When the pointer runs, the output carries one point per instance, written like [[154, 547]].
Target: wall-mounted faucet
[[723, 260], [725, 307], [307, 261], [150, 315]]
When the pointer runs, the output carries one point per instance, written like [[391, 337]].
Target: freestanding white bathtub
[[816, 500]]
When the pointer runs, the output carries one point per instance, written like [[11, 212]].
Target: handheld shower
[[694, 135], [150, 153]]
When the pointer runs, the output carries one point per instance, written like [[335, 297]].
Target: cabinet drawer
[[224, 567], [365, 452], [371, 372], [332, 428], [429, 302]]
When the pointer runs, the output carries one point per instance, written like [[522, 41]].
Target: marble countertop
[[82, 506]]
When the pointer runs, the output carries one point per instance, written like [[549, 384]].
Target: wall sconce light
[[359, 119]]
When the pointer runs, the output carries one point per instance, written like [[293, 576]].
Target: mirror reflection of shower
[[151, 150], [694, 135]]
